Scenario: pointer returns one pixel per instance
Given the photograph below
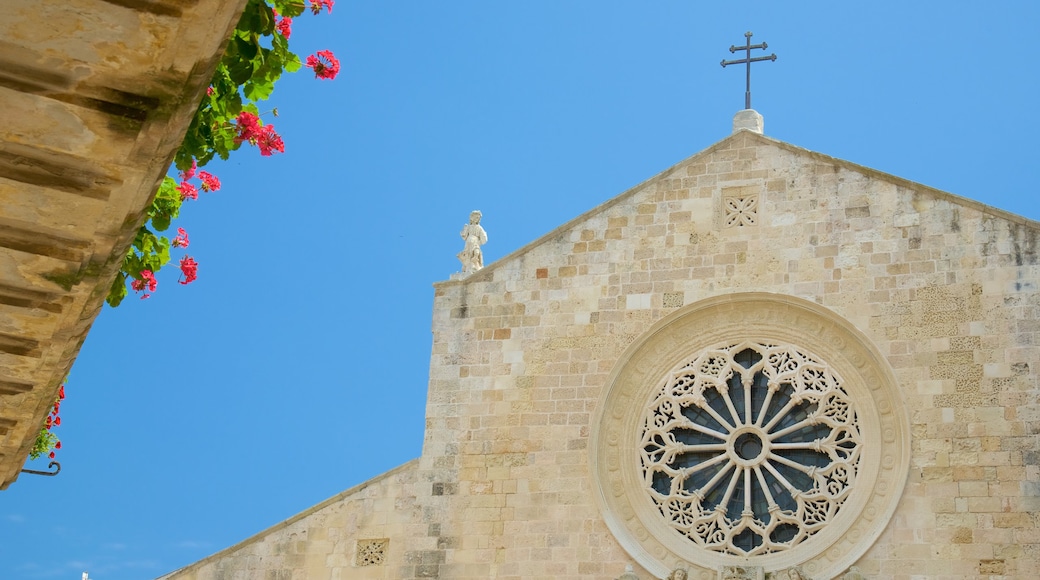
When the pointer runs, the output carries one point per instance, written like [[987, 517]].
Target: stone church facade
[[761, 363]]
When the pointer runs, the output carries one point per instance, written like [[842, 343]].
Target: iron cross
[[747, 47]]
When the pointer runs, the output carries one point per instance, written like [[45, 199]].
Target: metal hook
[[54, 464]]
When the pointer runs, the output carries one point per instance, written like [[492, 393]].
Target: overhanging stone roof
[[97, 96]]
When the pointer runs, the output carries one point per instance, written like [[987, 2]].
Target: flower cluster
[[181, 241], [190, 270], [146, 281], [189, 190], [226, 119], [251, 130], [46, 441], [324, 63], [317, 5]]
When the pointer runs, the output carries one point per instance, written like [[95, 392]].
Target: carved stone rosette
[[750, 430]]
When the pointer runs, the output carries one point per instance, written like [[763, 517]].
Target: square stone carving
[[740, 209], [371, 552], [672, 299]]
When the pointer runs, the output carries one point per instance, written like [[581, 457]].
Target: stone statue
[[471, 257], [790, 574], [678, 574], [629, 574]]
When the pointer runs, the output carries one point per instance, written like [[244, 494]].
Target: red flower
[[209, 181], [324, 63], [284, 27], [181, 241], [269, 141], [61, 392], [316, 6], [209, 91], [189, 267], [147, 281], [189, 173], [57, 420], [188, 191], [248, 127], [57, 445], [47, 425], [51, 455]]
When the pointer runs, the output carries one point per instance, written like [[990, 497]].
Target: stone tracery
[[750, 448]]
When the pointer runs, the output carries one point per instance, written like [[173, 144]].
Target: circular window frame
[[633, 517]]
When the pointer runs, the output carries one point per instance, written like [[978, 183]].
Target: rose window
[[750, 448]]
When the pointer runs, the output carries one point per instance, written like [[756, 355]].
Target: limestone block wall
[[355, 534], [943, 287]]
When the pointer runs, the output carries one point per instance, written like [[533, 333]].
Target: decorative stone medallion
[[750, 430], [371, 552]]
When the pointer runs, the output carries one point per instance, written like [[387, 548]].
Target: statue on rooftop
[[471, 257]]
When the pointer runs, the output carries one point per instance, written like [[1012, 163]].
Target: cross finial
[[747, 59]]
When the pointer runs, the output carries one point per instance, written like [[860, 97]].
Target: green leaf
[[161, 222], [292, 63], [240, 70], [258, 91], [290, 8], [117, 291], [245, 47]]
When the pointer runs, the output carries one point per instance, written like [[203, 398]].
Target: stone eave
[[487, 273], [97, 98]]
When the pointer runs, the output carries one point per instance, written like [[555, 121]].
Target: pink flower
[[188, 191], [269, 141], [148, 281], [209, 181], [209, 91], [284, 27], [189, 173], [324, 63], [317, 5], [190, 268], [181, 241], [248, 127]]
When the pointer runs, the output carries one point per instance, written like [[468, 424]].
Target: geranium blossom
[[324, 63], [147, 281], [269, 141], [189, 173], [248, 126], [284, 27], [188, 191], [190, 268], [209, 181], [181, 241], [316, 5]]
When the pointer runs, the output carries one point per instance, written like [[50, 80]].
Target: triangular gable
[[745, 138]]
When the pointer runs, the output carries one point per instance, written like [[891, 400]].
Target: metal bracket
[[52, 464]]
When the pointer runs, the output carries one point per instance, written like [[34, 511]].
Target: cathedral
[[763, 362]]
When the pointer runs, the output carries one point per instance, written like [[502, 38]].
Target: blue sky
[[296, 366]]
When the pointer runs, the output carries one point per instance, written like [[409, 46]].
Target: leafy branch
[[255, 58]]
